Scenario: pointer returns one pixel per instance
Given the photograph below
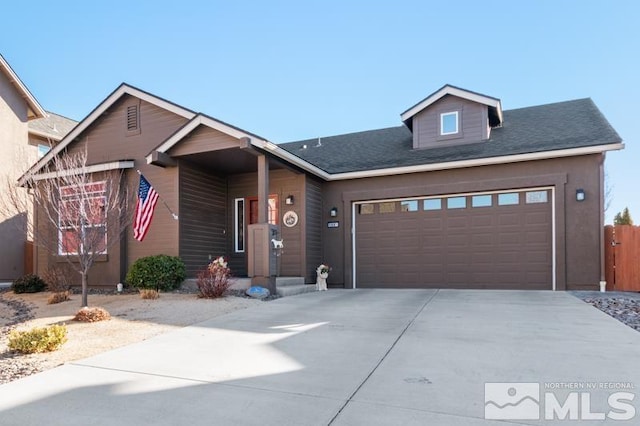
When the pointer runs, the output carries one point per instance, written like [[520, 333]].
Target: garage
[[499, 240]]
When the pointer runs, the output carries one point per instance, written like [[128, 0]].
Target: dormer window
[[449, 123]]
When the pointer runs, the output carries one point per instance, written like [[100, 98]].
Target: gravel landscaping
[[623, 306], [132, 319]]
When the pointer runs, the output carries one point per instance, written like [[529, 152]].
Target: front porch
[[232, 199]]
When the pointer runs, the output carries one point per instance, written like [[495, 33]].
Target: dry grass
[[59, 297], [149, 294], [94, 314]]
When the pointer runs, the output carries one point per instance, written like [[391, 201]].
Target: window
[[409, 206], [481, 201], [534, 197], [42, 150], [457, 203], [449, 123], [239, 225], [508, 199], [389, 207], [366, 208], [432, 204], [82, 221]]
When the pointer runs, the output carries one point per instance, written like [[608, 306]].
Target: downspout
[[602, 204]]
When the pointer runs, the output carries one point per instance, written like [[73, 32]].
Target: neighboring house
[[26, 130], [461, 195]]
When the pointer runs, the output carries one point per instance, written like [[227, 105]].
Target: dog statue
[[321, 282], [277, 244]]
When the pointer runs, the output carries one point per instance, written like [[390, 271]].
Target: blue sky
[[290, 70]]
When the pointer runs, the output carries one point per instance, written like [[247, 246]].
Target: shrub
[[214, 281], [60, 296], [58, 279], [36, 340], [159, 272], [29, 283], [92, 314]]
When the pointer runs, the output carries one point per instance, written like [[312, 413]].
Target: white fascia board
[[95, 168], [34, 105], [290, 158], [96, 113], [454, 91], [197, 121], [44, 135], [479, 162]]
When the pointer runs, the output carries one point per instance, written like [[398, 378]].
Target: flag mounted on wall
[[147, 199]]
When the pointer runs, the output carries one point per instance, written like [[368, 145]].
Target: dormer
[[452, 116]]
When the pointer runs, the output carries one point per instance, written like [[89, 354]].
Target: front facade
[[461, 195]]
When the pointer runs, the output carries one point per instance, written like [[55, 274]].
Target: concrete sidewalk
[[343, 357]]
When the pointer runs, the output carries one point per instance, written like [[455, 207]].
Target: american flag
[[147, 199]]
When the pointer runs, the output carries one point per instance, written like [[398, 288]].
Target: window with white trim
[[239, 225], [82, 223], [449, 123]]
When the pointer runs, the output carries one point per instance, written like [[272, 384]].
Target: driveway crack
[[393, 345]]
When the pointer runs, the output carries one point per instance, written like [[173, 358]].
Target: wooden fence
[[28, 258], [622, 257]]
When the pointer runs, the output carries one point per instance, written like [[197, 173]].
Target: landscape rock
[[258, 292]]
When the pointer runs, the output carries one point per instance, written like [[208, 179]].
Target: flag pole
[[175, 216]]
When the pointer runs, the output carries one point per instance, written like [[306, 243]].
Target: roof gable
[[494, 104], [122, 90], [35, 109]]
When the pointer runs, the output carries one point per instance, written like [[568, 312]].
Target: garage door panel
[[497, 246]]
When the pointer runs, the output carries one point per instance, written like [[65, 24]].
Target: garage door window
[[409, 206], [481, 201], [457, 203], [366, 208], [432, 204], [387, 207], [509, 199], [534, 197]]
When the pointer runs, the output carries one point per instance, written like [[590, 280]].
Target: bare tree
[[78, 215]]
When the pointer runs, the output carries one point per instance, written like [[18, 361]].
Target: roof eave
[[35, 109], [120, 91], [488, 161]]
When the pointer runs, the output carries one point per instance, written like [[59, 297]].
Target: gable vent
[[132, 118]]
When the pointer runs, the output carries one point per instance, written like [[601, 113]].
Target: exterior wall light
[[333, 212], [580, 195], [289, 200]]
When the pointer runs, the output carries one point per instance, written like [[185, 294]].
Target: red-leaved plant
[[215, 280]]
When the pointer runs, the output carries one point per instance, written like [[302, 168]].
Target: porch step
[[292, 290], [289, 281], [238, 284]]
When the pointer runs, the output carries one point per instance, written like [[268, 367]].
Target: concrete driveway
[[343, 357]]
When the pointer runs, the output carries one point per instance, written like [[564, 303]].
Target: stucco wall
[[15, 157]]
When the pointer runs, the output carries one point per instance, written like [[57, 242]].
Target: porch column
[[263, 189]]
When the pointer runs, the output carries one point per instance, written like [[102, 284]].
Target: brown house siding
[[203, 139], [313, 223], [472, 123], [577, 224], [281, 183], [110, 141], [203, 219]]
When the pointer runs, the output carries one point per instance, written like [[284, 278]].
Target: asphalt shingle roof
[[55, 126], [564, 125]]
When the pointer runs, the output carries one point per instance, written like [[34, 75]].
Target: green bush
[[29, 283], [159, 272], [36, 340]]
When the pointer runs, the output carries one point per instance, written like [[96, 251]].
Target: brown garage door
[[499, 240]]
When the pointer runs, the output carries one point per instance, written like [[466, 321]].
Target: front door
[[252, 207]]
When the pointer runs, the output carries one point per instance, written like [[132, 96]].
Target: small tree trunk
[[85, 289]]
